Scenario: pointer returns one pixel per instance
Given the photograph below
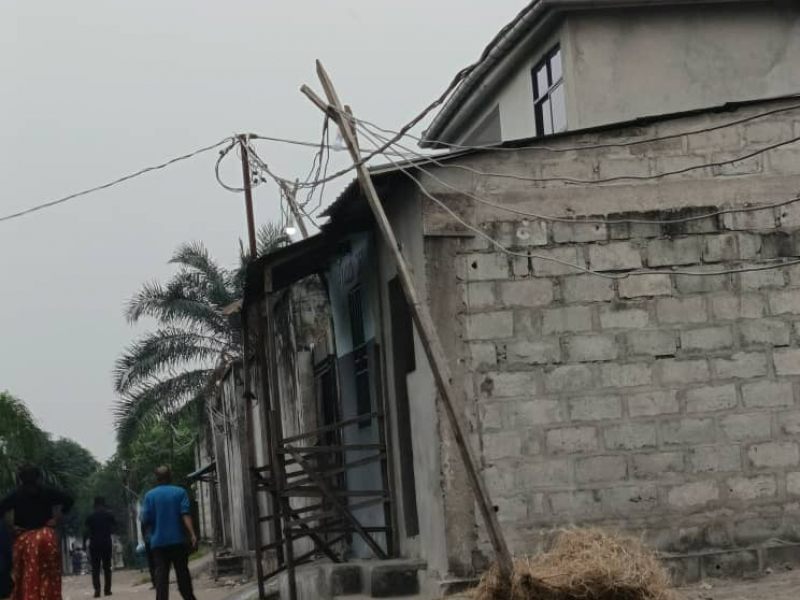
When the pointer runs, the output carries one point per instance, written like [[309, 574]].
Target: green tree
[[21, 439], [174, 365]]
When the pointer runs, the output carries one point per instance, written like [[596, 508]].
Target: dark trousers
[[101, 557], [151, 563], [176, 555]]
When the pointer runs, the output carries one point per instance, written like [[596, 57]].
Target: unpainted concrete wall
[[661, 403]]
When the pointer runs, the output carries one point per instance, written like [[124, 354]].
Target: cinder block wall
[[663, 404]]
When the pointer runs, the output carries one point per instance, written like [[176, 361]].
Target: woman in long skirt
[[37, 559]]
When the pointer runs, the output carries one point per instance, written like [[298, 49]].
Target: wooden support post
[[291, 199], [422, 319]]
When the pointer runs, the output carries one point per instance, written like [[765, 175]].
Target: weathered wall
[[662, 403], [685, 57]]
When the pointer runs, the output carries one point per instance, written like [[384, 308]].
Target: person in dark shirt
[[99, 527], [6, 542], [36, 560]]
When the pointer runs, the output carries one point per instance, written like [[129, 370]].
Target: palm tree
[[21, 439], [175, 365]]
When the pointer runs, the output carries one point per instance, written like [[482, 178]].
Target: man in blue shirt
[[166, 511]]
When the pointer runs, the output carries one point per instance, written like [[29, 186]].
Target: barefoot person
[[167, 512], [37, 560], [99, 527]]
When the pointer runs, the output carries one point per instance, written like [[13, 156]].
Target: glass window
[[549, 103]]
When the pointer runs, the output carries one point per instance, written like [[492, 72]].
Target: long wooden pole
[[422, 319]]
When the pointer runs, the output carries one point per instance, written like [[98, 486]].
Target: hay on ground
[[584, 564]]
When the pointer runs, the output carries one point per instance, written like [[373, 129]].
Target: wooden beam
[[422, 319]]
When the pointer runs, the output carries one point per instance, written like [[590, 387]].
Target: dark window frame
[[542, 97]]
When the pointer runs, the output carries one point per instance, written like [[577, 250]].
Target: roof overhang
[[514, 41]]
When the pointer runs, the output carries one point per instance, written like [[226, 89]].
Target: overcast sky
[[92, 90]]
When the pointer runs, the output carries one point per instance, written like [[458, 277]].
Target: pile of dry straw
[[584, 564]]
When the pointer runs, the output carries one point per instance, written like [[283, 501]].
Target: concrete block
[[595, 408], [657, 465], [510, 384], [730, 307], [393, 580], [601, 469], [482, 267], [622, 501], [730, 564], [511, 510], [767, 132], [749, 221], [491, 415], [682, 372], [774, 454], [643, 286], [518, 234], [746, 489], [591, 347], [575, 504], [500, 479], [789, 422], [625, 375], [767, 394], [749, 244], [587, 288], [577, 232], [728, 138], [345, 579], [614, 256], [787, 361], [784, 161], [710, 399], [652, 342], [484, 355], [682, 310], [785, 302], [569, 378], [758, 280], [793, 484], [665, 147], [502, 445], [533, 413], [624, 316], [572, 440], [720, 248], [747, 166], [757, 425], [650, 404], [681, 251], [687, 431], [526, 292], [624, 168], [520, 267], [693, 495], [630, 436], [572, 318], [557, 261], [489, 326], [765, 331], [544, 474], [714, 459], [705, 283], [707, 339], [673, 164], [742, 365], [533, 353], [480, 294]]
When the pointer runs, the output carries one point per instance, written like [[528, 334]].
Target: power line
[[543, 217], [577, 267], [104, 186]]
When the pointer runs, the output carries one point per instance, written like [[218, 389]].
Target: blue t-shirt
[[162, 511]]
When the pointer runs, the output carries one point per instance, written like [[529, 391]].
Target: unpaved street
[[779, 586], [133, 585]]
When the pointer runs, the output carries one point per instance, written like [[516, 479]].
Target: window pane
[[559, 108], [547, 118], [541, 81], [555, 66]]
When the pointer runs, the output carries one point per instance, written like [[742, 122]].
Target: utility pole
[[422, 319], [291, 199]]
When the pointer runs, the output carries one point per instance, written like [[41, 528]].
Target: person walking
[[166, 510], [148, 552], [36, 555], [99, 527]]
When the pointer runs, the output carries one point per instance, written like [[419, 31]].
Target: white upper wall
[[623, 64]]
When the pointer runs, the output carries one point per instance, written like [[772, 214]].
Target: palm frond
[[163, 351]]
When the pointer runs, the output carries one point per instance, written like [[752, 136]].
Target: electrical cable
[[532, 215], [104, 186], [580, 268]]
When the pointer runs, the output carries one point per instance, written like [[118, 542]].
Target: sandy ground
[[779, 586], [135, 585]]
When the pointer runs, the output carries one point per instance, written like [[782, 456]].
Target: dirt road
[[779, 586]]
